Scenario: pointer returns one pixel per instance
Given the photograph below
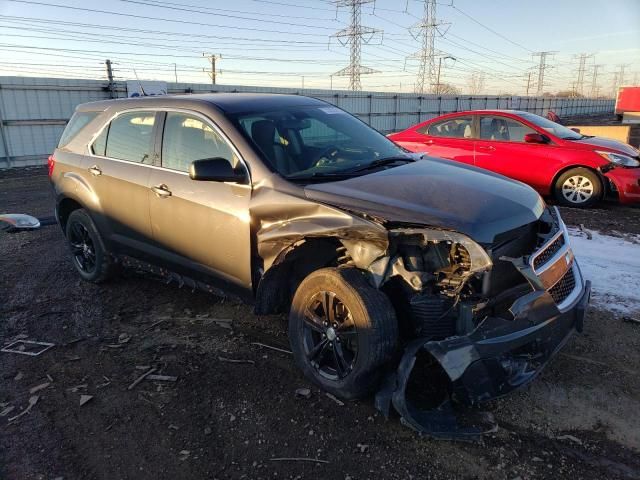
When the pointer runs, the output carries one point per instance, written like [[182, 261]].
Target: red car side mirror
[[535, 138]]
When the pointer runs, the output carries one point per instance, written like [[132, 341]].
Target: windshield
[[552, 127], [311, 142]]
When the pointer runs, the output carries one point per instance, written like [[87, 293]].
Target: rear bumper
[[627, 183]]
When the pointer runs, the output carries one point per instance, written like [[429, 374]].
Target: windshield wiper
[[310, 176], [381, 162]]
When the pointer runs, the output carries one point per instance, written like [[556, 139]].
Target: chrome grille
[[549, 251], [561, 290]]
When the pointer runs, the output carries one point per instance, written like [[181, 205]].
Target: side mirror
[[535, 138], [216, 170]]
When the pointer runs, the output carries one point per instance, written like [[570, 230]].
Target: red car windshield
[[552, 127]]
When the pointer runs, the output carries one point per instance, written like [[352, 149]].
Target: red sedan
[[578, 170]]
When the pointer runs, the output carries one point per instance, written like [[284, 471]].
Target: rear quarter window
[[78, 121]]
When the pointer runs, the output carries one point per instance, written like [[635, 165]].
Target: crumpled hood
[[609, 144], [437, 193]]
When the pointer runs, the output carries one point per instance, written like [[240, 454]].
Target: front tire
[[578, 188], [342, 331], [89, 256]]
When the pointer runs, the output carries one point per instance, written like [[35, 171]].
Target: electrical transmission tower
[[355, 35], [594, 81], [213, 72], [426, 30], [622, 68], [542, 66], [582, 68]]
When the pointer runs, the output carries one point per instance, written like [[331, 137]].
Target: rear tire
[[342, 352], [88, 253], [578, 188]]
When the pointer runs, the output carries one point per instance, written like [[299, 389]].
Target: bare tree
[[476, 83], [446, 89]]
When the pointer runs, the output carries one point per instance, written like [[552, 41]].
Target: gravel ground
[[223, 419]]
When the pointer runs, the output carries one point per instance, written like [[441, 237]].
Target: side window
[[130, 137], [78, 121], [99, 146], [504, 129], [187, 138], [460, 127]]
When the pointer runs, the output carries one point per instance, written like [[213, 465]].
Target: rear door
[[119, 166], [501, 148], [451, 138], [199, 225]]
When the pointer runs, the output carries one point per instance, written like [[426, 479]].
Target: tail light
[[51, 163]]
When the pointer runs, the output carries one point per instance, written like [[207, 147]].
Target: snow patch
[[613, 266]]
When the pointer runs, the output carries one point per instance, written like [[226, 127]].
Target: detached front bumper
[[501, 355], [627, 184]]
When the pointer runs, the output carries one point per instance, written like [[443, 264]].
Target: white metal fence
[[34, 111]]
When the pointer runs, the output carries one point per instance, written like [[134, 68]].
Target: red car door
[[500, 147], [451, 138]]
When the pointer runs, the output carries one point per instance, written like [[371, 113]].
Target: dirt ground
[[223, 419]]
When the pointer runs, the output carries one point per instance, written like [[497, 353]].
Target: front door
[[501, 148], [202, 225]]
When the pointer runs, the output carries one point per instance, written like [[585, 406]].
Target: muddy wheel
[[89, 256], [342, 330], [578, 187]]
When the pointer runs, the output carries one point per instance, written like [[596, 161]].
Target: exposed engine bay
[[450, 292]]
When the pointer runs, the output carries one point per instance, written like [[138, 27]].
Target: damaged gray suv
[[400, 274]]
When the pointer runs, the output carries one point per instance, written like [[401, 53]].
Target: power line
[[582, 67], [160, 19], [354, 35]]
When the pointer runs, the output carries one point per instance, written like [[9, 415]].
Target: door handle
[[162, 191], [487, 147], [95, 170]]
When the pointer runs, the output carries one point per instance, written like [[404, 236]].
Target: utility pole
[[594, 81], [107, 62], [437, 84], [582, 67], [541, 68], [426, 31], [528, 83], [212, 59], [175, 72], [354, 35]]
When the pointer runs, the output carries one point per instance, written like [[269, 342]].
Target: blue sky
[[288, 42]]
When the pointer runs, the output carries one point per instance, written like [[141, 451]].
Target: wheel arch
[[603, 180]]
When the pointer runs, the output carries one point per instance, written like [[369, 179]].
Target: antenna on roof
[[144, 94]]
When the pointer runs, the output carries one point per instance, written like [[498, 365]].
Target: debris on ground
[[85, 398], [303, 393], [141, 378], [335, 399], [7, 410], [27, 347], [184, 454], [263, 345], [13, 222], [569, 437], [233, 360], [37, 388], [586, 232], [298, 459], [32, 401], [124, 338], [363, 447], [162, 378]]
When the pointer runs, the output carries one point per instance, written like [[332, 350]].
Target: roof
[[227, 102]]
